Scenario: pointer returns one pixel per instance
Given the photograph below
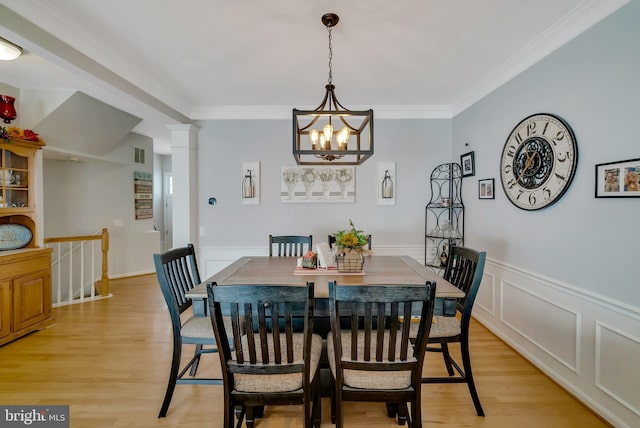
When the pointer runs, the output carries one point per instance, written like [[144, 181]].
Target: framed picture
[[386, 183], [468, 164], [322, 185], [485, 189], [618, 179], [250, 183]]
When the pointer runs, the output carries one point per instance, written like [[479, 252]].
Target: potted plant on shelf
[[351, 249]]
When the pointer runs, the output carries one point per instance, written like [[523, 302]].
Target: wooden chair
[[464, 270], [275, 365], [290, 245], [177, 273], [332, 240], [371, 356]]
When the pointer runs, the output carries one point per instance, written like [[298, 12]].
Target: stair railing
[[73, 280]]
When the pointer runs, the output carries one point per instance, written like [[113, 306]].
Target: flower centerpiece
[[351, 249], [15, 132]]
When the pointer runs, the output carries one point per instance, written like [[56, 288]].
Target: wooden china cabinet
[[25, 268]]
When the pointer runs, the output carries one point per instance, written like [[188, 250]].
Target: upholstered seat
[[440, 327], [371, 379], [197, 328], [280, 382]]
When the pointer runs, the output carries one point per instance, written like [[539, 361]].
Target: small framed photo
[[618, 179], [467, 163], [485, 189]]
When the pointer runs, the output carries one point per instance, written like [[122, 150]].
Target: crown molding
[[285, 112]]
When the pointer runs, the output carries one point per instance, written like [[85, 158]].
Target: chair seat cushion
[[368, 379], [197, 328], [440, 327], [280, 382]]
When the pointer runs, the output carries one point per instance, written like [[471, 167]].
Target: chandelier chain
[[330, 57]]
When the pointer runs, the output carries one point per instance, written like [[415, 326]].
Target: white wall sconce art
[[250, 183], [386, 185]]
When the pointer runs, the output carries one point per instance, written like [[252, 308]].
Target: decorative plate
[[14, 236]]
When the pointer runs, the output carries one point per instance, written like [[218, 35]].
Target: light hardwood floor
[[109, 361]]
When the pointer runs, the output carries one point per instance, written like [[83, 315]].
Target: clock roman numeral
[[544, 130], [518, 138], [562, 156], [559, 137]]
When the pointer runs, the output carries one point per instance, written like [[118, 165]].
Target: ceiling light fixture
[[8, 50], [313, 130]]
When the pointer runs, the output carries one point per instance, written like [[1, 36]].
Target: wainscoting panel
[[617, 369], [486, 295], [549, 326], [586, 342]]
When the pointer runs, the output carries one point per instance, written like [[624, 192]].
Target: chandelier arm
[[363, 125], [313, 122], [323, 103]]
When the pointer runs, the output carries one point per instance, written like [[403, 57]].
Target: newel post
[[104, 280]]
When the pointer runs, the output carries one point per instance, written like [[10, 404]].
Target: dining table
[[377, 270]]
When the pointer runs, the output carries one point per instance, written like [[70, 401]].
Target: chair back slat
[[290, 245], [379, 340], [464, 270], [177, 273], [266, 345]]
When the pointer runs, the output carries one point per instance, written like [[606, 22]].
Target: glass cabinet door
[[14, 180]]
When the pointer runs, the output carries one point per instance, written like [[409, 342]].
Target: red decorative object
[[7, 109]]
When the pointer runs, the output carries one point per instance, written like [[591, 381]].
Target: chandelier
[[331, 133]]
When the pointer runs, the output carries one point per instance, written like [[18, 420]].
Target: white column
[[184, 168]]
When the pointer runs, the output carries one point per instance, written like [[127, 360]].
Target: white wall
[[80, 198], [560, 283]]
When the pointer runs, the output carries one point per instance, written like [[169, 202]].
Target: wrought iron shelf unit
[[444, 214]]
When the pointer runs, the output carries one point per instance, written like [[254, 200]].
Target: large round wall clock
[[538, 161]]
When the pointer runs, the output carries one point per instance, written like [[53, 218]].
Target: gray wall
[[592, 82], [560, 284], [416, 146]]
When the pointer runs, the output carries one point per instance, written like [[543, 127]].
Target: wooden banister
[[104, 238]]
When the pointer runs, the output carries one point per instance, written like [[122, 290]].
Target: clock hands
[[528, 163]]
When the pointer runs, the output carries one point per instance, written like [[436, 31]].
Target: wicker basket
[[350, 263]]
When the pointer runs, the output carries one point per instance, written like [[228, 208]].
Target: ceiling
[[170, 62]]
